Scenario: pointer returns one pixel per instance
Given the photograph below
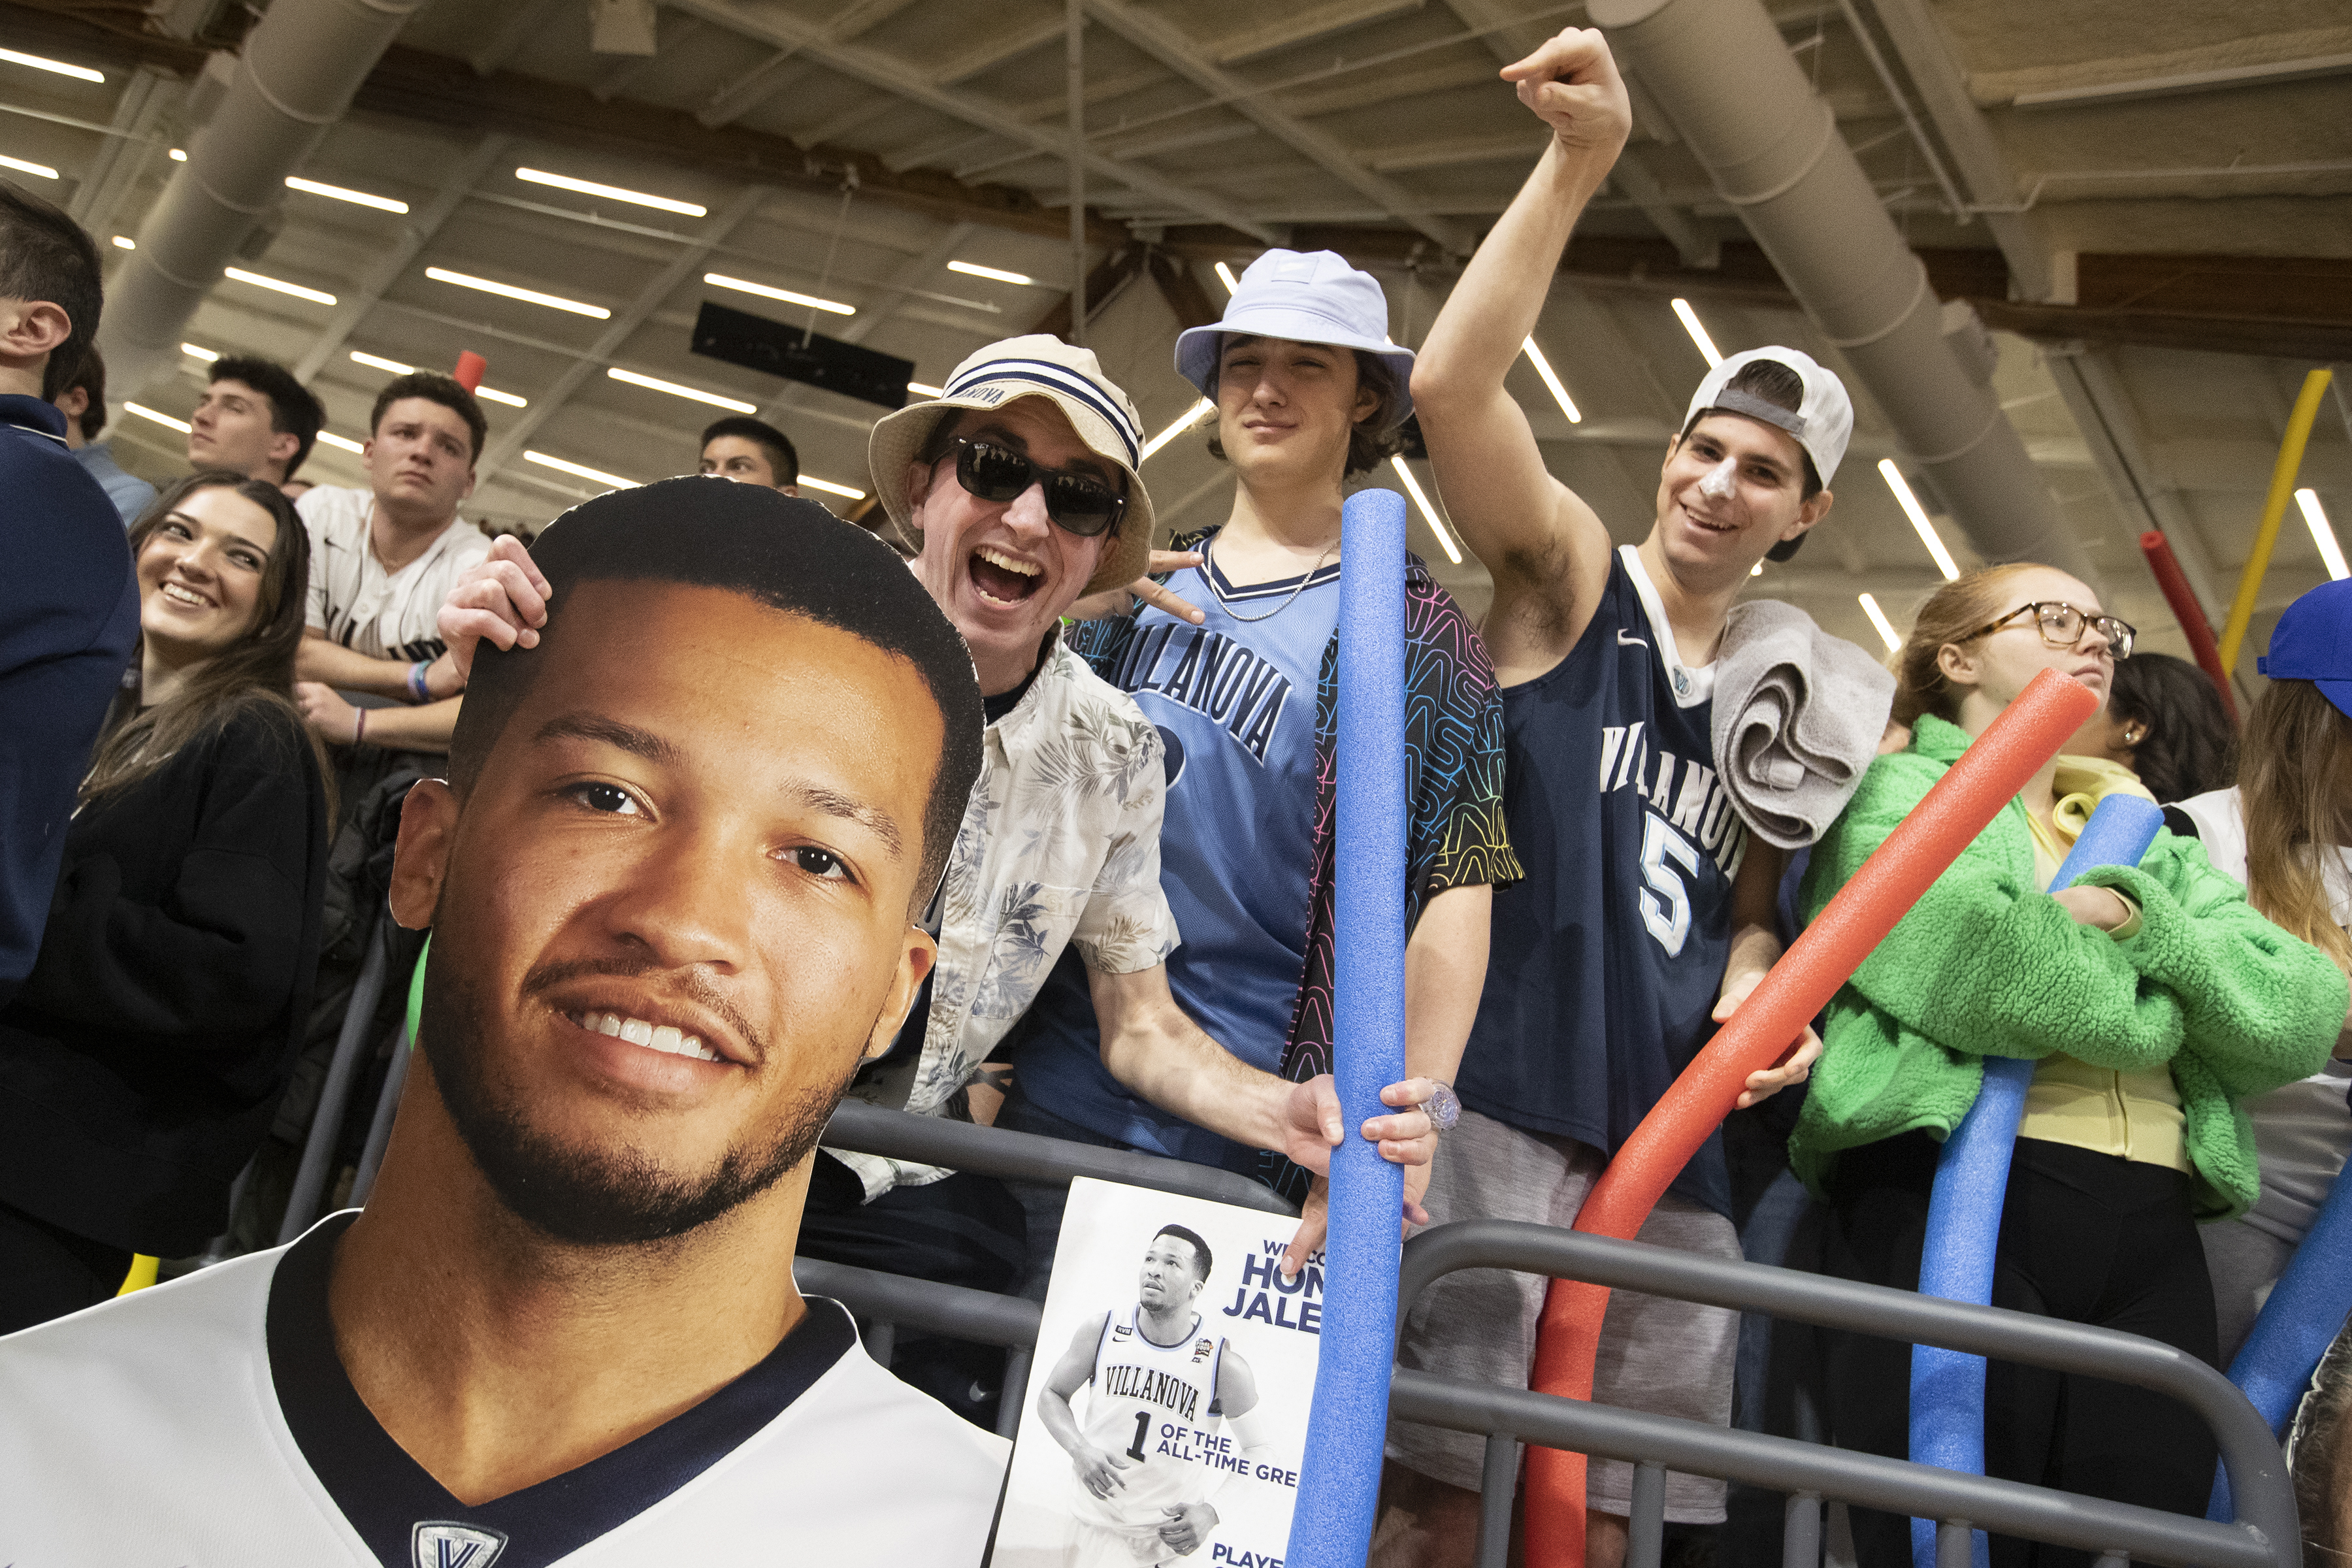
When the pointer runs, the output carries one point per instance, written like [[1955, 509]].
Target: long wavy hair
[[255, 671], [2290, 773], [2189, 747], [1950, 613]]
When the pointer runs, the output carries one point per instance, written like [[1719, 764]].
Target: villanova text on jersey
[[1681, 822], [1210, 673], [1152, 1387]]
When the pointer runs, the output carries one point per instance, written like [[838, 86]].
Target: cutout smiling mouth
[[664, 1037], [1001, 577]]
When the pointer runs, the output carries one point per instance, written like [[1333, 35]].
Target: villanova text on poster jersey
[[1210, 673]]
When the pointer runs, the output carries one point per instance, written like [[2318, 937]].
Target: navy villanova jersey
[[1606, 960]]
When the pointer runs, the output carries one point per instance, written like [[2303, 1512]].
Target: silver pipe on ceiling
[[294, 79], [1724, 78]]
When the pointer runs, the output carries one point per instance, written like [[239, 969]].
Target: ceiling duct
[[1722, 73], [294, 79]]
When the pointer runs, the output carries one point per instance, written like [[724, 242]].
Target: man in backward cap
[[1019, 487], [1647, 911]]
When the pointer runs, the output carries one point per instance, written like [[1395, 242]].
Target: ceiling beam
[[414, 234], [1306, 25], [616, 331], [414, 85], [1166, 42], [523, 19], [905, 280], [886, 73], [120, 160], [670, 32]]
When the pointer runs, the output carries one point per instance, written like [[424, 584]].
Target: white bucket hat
[[1822, 423], [1313, 298], [1039, 365]]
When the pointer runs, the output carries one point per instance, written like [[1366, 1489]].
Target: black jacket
[[141, 1061]]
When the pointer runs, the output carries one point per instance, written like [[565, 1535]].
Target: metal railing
[[882, 1303], [2266, 1536]]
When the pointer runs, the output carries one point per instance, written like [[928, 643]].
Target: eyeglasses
[[2061, 626], [1079, 502]]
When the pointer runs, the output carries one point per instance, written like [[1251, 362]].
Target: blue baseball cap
[[1312, 297], [2314, 642]]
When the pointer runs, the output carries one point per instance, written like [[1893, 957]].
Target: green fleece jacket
[[1986, 963]]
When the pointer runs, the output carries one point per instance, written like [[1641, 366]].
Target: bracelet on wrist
[[416, 686], [358, 726]]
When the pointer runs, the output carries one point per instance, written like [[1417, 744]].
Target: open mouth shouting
[[1004, 579]]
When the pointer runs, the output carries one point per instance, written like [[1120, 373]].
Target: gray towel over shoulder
[[1798, 716]]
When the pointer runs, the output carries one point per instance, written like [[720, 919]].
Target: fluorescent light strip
[[343, 442], [528, 296], [721, 281], [492, 394], [1225, 276], [920, 390], [343, 194], [617, 192], [674, 390], [79, 73], [1757, 570], [124, 242], [22, 167], [144, 412], [2330, 552], [193, 351], [488, 394], [579, 471], [831, 488], [278, 285], [1698, 332], [378, 363], [1918, 516], [974, 269], [1190, 418], [1878, 618], [179, 156], [1543, 369], [1429, 514]]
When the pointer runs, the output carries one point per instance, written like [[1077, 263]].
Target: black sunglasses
[[1079, 502]]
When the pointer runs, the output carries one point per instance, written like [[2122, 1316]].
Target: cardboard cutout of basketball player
[[1147, 1367], [672, 880]]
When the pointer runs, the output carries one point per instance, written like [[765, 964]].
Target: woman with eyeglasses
[[142, 1061], [2152, 1000]]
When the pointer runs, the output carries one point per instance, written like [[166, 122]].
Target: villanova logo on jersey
[[1683, 825], [1211, 674], [437, 1544]]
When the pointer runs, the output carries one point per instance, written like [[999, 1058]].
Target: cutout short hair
[[782, 456], [45, 254], [1200, 1248], [294, 409], [434, 388], [786, 553]]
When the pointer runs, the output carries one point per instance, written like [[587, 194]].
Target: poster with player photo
[[1167, 1407]]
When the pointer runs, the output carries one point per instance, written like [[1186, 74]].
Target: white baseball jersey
[[208, 1423], [1145, 1402], [355, 602]]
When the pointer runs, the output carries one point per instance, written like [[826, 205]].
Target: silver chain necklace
[[1209, 576]]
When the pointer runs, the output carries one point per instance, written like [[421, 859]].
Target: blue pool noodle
[[1964, 1208], [2295, 1326], [1346, 1425]]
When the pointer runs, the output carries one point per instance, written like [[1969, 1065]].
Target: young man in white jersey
[[383, 560], [674, 874], [1646, 914], [1154, 1379]]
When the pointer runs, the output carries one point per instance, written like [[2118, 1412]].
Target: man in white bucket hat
[[1309, 391], [1647, 913]]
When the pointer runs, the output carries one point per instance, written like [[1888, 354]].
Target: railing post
[[1496, 1486], [1645, 1530], [1954, 1544], [1800, 1530]]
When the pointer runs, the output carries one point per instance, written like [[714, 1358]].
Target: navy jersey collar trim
[[385, 1495]]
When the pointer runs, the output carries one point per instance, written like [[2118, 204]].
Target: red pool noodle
[[468, 374], [2188, 613], [2041, 720]]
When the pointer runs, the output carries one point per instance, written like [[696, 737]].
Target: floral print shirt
[[1059, 848]]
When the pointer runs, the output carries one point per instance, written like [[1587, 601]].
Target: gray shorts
[[1670, 1358]]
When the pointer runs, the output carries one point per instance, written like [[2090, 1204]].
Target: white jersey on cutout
[[1144, 1403], [198, 1424]]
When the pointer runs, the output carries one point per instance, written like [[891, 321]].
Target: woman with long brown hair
[[143, 1058], [2285, 831], [2153, 1000]]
